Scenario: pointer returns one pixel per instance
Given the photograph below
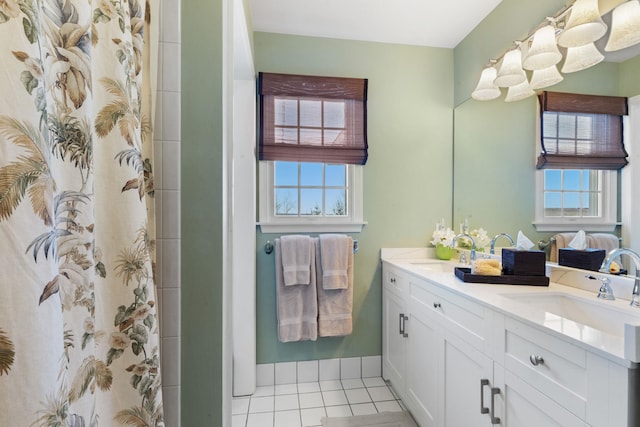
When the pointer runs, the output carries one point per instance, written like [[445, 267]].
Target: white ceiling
[[433, 23]]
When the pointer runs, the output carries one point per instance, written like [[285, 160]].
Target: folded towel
[[297, 306], [296, 259], [335, 250], [334, 305]]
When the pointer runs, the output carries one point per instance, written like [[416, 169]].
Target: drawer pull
[[437, 305], [392, 280], [536, 360], [483, 409], [403, 319], [494, 419]]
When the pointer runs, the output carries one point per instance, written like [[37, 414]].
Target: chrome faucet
[[472, 255], [606, 266], [493, 242]]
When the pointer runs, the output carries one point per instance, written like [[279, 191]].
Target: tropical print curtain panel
[[79, 342]]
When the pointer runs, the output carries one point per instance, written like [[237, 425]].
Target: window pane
[[571, 204], [333, 136], [286, 173], [552, 179], [566, 126], [571, 180], [311, 136], [285, 135], [310, 201], [286, 112], [550, 124], [286, 201], [334, 114], [590, 204], [311, 174], [590, 180], [584, 127], [311, 113], [335, 175], [552, 204], [335, 202]]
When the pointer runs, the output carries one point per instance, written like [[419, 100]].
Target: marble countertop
[[606, 339]]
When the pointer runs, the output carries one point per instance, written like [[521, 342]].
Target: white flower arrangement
[[480, 237], [442, 237]]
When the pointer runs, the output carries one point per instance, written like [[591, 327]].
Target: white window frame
[[271, 223], [606, 222]]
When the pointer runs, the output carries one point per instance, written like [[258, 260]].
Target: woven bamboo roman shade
[[312, 119], [581, 131]]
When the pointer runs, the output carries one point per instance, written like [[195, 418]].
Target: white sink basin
[[435, 265], [595, 314]]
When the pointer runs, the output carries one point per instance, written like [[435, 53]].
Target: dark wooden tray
[[465, 275]]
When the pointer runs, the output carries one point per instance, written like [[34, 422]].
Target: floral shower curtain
[[79, 342]]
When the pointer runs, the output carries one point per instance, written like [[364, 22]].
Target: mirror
[[495, 149]]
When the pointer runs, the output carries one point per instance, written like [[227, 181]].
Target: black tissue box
[[523, 263], [587, 259]]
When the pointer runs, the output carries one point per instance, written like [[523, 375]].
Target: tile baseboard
[[268, 374]]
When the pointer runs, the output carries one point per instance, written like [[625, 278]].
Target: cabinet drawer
[[395, 282], [555, 367], [459, 315]]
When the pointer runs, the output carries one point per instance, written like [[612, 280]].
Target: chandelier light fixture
[[575, 27]]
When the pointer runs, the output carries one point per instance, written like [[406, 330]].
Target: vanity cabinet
[[457, 362], [394, 320], [432, 352]]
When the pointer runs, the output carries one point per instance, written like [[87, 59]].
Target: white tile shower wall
[[325, 371], [167, 181]]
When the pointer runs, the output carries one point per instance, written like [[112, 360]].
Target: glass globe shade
[[625, 26], [510, 72], [543, 52], [486, 90], [545, 77], [585, 25], [518, 92], [581, 58]]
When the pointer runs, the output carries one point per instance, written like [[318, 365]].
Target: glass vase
[[444, 252]]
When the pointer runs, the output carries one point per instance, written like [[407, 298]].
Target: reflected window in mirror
[[581, 152]]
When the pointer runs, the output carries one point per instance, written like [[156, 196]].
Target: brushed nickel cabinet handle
[[483, 409], [536, 360]]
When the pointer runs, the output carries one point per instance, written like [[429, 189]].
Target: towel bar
[[268, 247]]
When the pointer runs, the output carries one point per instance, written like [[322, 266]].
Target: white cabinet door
[[393, 341], [467, 382], [424, 350], [521, 405]]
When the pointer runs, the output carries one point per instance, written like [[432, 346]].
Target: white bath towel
[[335, 306], [335, 250], [296, 259], [297, 305]]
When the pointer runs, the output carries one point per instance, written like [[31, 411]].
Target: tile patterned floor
[[304, 404]]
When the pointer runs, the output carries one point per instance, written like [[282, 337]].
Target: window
[[310, 197], [576, 188], [312, 144]]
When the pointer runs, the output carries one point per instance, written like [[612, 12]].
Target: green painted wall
[[202, 213], [629, 81], [407, 179]]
